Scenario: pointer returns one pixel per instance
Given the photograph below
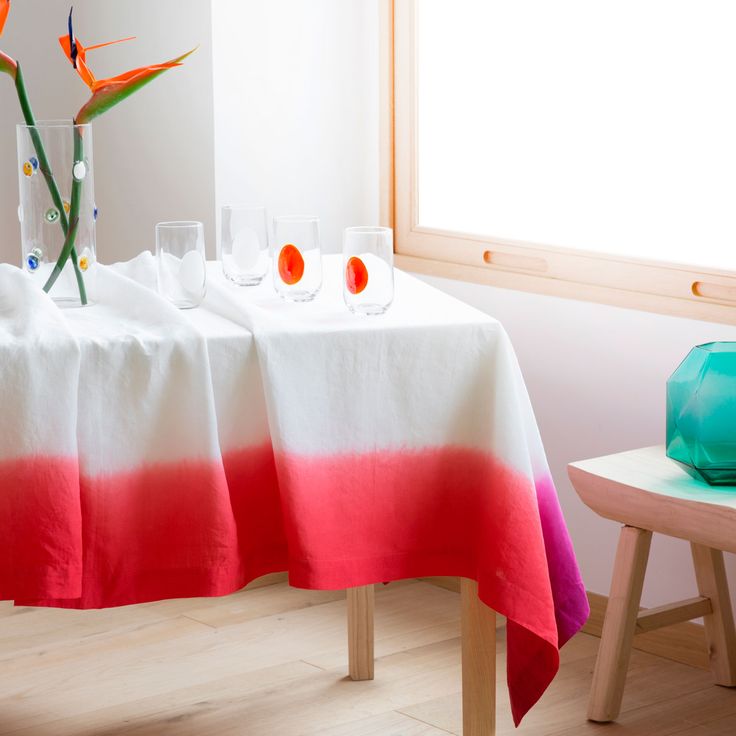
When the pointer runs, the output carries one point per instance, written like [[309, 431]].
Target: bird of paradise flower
[[106, 93]]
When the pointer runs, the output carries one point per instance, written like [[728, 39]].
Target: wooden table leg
[[719, 629], [479, 662], [360, 632], [619, 625]]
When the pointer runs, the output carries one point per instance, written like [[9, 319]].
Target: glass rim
[[707, 345], [179, 224], [368, 229], [54, 123], [244, 206], [296, 218]]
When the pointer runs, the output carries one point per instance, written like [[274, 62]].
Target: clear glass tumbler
[[297, 260], [368, 269], [244, 244], [181, 264]]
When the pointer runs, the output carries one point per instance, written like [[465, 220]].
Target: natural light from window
[[605, 126]]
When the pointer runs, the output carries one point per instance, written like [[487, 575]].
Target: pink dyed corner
[[571, 601], [354, 519], [41, 522]]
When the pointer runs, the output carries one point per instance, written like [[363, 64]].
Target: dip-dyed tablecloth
[[150, 453]]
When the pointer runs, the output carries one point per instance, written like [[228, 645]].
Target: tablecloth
[[150, 453]]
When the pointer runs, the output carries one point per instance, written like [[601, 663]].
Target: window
[[585, 149]]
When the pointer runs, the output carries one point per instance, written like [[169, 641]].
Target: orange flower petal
[[291, 264], [84, 72], [82, 69], [107, 43], [81, 64], [67, 47], [4, 10], [356, 275]]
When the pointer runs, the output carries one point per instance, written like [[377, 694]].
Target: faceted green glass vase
[[701, 413]]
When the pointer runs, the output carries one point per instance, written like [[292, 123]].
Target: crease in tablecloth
[[41, 540]]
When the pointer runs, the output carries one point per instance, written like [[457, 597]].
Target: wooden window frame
[[673, 289]]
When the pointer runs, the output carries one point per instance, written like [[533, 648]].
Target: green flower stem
[[68, 248], [43, 162], [44, 166], [63, 256]]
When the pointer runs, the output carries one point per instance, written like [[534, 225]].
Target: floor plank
[[273, 660]]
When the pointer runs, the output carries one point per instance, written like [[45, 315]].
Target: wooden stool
[[648, 492]]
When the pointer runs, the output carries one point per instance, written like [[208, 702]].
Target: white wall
[[296, 109], [154, 154]]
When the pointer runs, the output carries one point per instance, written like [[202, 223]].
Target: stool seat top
[[645, 489]]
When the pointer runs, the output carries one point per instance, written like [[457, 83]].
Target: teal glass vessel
[[701, 413]]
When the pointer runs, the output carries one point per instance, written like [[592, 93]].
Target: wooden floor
[[272, 662]]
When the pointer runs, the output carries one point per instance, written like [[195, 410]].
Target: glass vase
[[57, 210], [701, 413]]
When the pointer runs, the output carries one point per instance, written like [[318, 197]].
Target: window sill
[[694, 307]]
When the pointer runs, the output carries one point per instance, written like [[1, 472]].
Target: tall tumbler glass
[[297, 266], [244, 244], [368, 269], [181, 264]]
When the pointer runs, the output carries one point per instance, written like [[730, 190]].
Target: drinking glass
[[368, 269], [297, 261], [181, 265], [244, 244]]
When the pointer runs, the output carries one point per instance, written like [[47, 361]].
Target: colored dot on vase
[[67, 206], [83, 263], [79, 170], [52, 214], [32, 262], [28, 168], [34, 162]]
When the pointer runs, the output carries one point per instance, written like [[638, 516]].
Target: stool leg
[[479, 662], [719, 630], [620, 623], [360, 632]]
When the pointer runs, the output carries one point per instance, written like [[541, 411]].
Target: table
[[647, 492], [148, 453]]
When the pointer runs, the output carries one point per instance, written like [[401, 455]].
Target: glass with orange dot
[[368, 269], [297, 258]]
